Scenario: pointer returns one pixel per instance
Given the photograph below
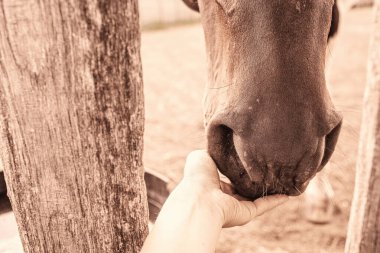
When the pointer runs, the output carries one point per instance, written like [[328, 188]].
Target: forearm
[[185, 224]]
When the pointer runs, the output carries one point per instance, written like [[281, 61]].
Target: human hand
[[201, 178], [195, 212]]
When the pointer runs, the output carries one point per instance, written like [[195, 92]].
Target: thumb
[[244, 211], [200, 164]]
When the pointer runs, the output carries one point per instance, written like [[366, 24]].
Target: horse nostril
[[220, 137], [222, 149], [330, 143]]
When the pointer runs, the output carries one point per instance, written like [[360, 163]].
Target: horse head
[[270, 122]]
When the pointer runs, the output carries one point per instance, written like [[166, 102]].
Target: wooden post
[[71, 124], [364, 226]]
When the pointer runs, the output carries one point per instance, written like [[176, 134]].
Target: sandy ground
[[175, 73]]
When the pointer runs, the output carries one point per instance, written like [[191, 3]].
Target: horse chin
[[249, 180]]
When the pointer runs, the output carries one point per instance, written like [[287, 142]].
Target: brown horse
[[270, 122]]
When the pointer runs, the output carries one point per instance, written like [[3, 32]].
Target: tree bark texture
[[71, 124], [364, 226]]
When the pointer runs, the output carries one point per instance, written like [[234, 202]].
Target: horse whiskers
[[329, 50], [221, 87], [338, 166], [347, 126], [266, 191], [295, 187], [282, 185], [262, 195], [337, 152], [350, 111], [339, 156]]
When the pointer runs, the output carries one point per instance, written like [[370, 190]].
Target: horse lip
[[299, 189], [294, 192]]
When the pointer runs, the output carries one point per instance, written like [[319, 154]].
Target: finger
[[199, 163], [224, 178], [245, 211]]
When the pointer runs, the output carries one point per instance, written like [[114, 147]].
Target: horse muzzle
[[261, 161]]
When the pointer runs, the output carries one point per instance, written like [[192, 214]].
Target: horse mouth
[[251, 180]]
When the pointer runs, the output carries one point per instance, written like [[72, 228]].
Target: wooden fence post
[[71, 124], [364, 226]]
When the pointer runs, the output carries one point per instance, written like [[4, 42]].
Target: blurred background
[[155, 14], [174, 71]]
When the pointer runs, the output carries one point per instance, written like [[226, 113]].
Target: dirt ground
[[175, 73]]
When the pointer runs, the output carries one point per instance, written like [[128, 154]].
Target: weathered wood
[[71, 124], [364, 226]]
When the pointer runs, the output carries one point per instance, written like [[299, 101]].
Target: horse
[[270, 123]]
